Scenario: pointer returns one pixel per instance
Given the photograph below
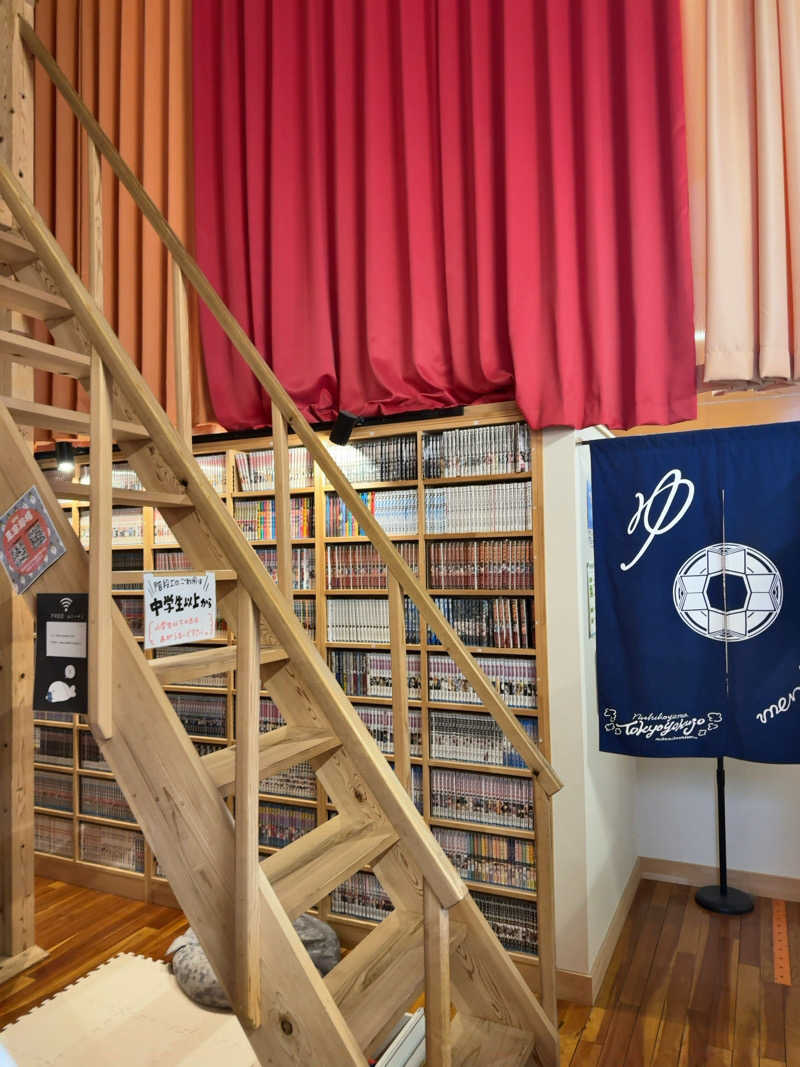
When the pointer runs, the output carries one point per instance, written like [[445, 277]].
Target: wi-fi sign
[[66, 603]]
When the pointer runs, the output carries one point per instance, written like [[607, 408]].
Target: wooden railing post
[[283, 502], [438, 1047], [545, 898], [100, 452], [180, 338], [397, 638], [247, 874]]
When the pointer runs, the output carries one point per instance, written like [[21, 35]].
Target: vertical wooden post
[[397, 638], [16, 152], [17, 947], [438, 1047], [180, 335], [100, 452], [545, 899], [283, 502], [246, 918]]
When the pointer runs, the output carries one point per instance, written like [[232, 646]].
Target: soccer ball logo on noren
[[728, 592]]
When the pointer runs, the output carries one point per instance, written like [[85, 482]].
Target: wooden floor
[[693, 989], [82, 929], [684, 987]]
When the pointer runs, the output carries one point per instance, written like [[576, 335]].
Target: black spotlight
[[343, 427], [65, 457]]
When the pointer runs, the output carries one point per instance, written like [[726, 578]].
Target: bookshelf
[[460, 498]]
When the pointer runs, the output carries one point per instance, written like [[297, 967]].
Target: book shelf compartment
[[483, 579]]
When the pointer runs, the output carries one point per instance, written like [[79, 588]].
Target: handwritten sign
[[179, 610], [30, 542]]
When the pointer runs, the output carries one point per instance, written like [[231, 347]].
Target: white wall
[[595, 839], [676, 814]]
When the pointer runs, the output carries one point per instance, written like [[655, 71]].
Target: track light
[[65, 457], [343, 427]]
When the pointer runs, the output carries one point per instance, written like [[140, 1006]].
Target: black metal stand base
[[728, 902]]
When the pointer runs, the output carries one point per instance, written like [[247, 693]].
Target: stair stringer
[[185, 819]]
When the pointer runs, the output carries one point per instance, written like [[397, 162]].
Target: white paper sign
[[179, 610], [66, 639]]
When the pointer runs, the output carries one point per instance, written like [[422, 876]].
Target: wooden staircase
[[436, 940]]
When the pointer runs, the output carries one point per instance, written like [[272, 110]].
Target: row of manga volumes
[[127, 526], [394, 509], [122, 477], [256, 469], [369, 674], [52, 745], [362, 897], [172, 559], [513, 921], [303, 564], [306, 612], [269, 717], [162, 534], [111, 846], [499, 563], [127, 560], [491, 799], [484, 507], [382, 459], [379, 720], [214, 469], [205, 748], [208, 680], [52, 835], [358, 566], [476, 450], [52, 790], [489, 622], [132, 608], [367, 621], [297, 781], [104, 798], [514, 679], [256, 518], [91, 758], [471, 738], [204, 714], [279, 825], [488, 858]]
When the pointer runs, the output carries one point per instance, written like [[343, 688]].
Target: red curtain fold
[[430, 203]]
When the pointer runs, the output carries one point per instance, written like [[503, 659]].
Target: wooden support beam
[[100, 454], [277, 750], [283, 502], [397, 637], [182, 355], [62, 420], [16, 773], [133, 498], [172, 670], [438, 1049], [246, 889], [18, 346], [37, 303], [545, 899]]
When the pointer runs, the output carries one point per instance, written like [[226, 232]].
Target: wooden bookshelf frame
[[148, 885]]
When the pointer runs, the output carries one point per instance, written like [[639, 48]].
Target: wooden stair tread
[[29, 413], [15, 250], [305, 871], [28, 300], [43, 356], [278, 750], [187, 666], [477, 1042], [128, 497], [379, 978]]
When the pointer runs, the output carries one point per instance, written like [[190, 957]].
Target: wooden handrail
[[282, 402]]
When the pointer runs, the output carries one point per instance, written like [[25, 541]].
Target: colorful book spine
[[111, 846], [104, 798], [52, 835], [358, 566], [381, 459], [394, 509], [483, 507], [487, 622], [513, 921], [52, 790], [490, 799], [366, 621], [468, 737], [279, 824], [505, 861], [362, 897], [499, 563], [514, 678], [202, 714]]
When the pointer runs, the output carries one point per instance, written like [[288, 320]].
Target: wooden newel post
[[17, 946]]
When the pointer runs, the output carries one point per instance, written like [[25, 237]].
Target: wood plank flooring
[[684, 987], [81, 929]]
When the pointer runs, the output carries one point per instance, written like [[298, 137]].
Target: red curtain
[[437, 202]]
